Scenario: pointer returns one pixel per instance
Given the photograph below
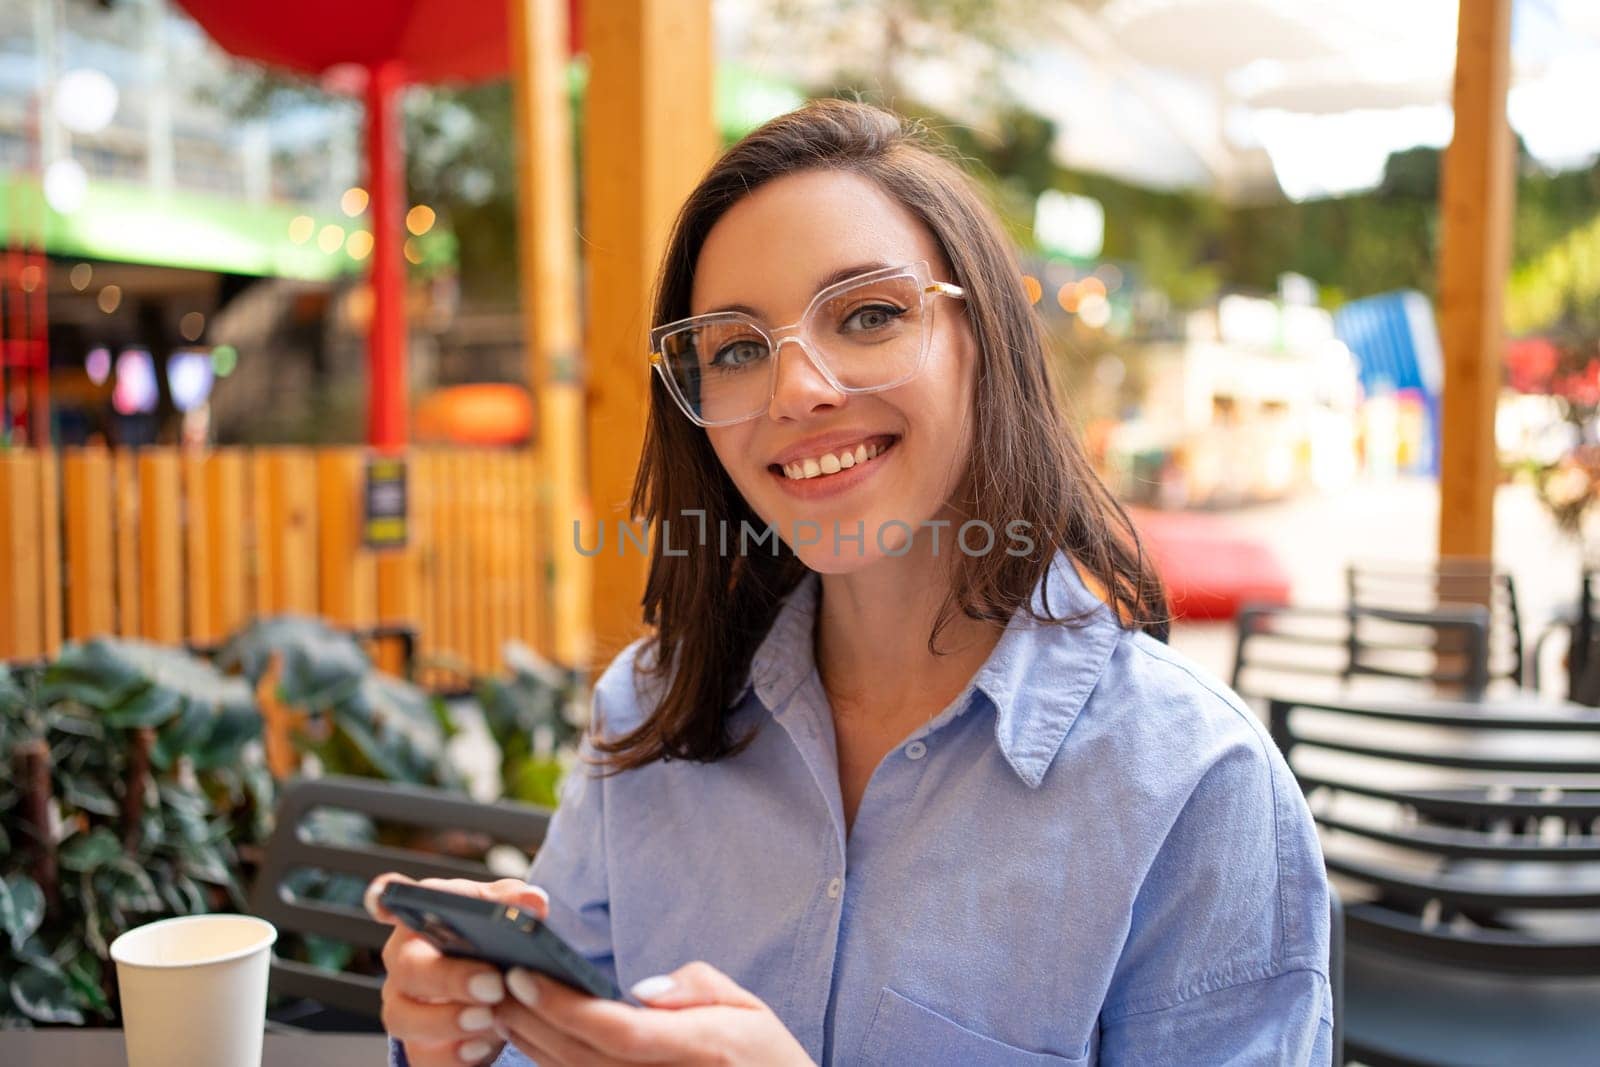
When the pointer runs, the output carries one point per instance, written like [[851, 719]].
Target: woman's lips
[[826, 485]]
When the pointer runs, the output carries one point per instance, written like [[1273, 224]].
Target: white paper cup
[[194, 990]]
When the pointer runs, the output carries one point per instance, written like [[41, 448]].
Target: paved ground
[[1315, 534]]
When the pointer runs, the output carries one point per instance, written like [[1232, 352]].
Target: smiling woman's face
[[771, 253]]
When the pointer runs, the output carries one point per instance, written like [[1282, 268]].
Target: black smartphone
[[501, 934]]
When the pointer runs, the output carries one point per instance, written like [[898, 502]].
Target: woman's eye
[[871, 317], [739, 353]]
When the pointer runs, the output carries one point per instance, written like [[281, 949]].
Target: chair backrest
[[1583, 659], [308, 886], [1325, 651], [1466, 832], [1444, 583]]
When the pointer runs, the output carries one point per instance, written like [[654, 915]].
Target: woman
[[914, 780]]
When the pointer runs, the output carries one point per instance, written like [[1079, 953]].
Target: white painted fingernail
[[487, 988], [475, 1018], [474, 1051], [522, 986], [654, 986], [369, 899]]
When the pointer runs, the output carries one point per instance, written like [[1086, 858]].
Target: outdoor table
[[61, 1047]]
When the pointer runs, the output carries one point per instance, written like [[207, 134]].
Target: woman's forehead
[[772, 249]]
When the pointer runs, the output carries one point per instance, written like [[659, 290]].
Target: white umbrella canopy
[[1245, 98]]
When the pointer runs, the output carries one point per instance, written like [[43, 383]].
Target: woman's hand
[[696, 1015], [440, 1008]]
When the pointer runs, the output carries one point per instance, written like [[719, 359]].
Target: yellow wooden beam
[[1477, 195], [548, 258], [649, 134]]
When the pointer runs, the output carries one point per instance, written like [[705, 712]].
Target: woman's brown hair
[[710, 610]]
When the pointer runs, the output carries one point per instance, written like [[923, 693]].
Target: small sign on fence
[[384, 520]]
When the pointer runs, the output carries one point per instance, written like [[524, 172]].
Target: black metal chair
[[1448, 583], [1464, 838], [1579, 623], [1326, 651], [323, 999]]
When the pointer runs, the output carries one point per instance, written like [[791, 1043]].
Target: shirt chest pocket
[[903, 1031]]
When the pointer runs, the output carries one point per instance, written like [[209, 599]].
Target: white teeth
[[831, 462]]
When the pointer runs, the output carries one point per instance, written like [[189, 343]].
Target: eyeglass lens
[[869, 336]]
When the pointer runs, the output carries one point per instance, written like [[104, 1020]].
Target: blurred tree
[[873, 40]]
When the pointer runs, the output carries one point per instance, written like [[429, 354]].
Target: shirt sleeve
[[1226, 958], [1284, 1019]]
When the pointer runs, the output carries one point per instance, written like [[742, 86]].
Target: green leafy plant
[[358, 720], [134, 783], [534, 716], [140, 788]]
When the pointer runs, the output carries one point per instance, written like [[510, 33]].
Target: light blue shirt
[[1095, 854]]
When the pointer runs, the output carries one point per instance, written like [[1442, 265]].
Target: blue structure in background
[[1396, 344]]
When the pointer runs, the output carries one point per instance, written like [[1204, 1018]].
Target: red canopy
[[433, 40], [394, 41]]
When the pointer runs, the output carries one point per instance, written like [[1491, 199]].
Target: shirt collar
[[1038, 677]]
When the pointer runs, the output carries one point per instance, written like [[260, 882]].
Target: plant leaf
[[180, 734], [126, 887], [21, 908], [231, 726], [204, 863], [150, 706], [321, 665], [83, 974], [44, 995], [83, 791], [85, 852]]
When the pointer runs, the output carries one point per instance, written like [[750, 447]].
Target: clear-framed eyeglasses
[[863, 334]]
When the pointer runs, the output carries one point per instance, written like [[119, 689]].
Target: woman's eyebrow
[[832, 279], [848, 272]]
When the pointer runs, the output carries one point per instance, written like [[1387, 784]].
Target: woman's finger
[[408, 1019], [418, 970], [620, 1031], [692, 985], [545, 1044], [473, 1053]]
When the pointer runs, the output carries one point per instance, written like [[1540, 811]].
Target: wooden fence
[[187, 546]]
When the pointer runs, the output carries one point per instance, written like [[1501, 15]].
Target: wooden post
[[548, 258], [649, 134], [1477, 196]]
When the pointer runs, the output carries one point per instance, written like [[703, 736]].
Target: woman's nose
[[799, 386]]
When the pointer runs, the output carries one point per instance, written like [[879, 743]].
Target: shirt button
[[916, 750], [835, 887]]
